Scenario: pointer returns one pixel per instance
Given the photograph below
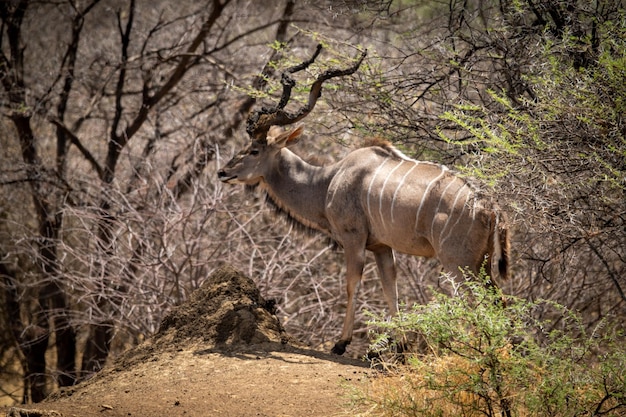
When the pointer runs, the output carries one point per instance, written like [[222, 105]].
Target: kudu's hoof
[[339, 348]]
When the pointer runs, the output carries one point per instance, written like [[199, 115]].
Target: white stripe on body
[[430, 184], [369, 188], [401, 155], [456, 199], [382, 189], [469, 231], [474, 209], [336, 178], [393, 201], [442, 241], [432, 226]]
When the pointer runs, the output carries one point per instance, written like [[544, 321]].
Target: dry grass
[[440, 386]]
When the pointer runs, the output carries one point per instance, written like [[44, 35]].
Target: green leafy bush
[[555, 157], [479, 358]]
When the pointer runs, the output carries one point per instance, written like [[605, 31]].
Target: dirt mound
[[226, 311]]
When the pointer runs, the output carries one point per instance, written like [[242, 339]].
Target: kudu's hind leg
[[386, 263], [387, 269], [355, 262]]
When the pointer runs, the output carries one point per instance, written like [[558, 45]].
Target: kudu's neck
[[299, 189]]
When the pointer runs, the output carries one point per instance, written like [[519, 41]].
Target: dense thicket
[[115, 115], [527, 96]]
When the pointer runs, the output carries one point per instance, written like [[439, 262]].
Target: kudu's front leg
[[355, 262]]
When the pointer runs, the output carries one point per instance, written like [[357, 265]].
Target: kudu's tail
[[500, 244], [505, 247]]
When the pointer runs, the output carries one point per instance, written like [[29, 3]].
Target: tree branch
[[76, 142], [118, 141], [181, 185], [69, 61], [180, 70]]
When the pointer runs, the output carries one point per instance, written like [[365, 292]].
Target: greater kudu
[[375, 199]]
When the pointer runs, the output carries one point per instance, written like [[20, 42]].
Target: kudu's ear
[[288, 138]]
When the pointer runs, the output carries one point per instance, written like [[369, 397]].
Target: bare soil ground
[[223, 353]]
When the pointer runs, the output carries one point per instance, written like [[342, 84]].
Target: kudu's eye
[[254, 151]]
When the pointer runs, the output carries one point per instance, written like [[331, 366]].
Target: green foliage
[[573, 123], [480, 358], [556, 157]]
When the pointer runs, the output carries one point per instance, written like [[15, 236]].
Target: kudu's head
[[253, 163]]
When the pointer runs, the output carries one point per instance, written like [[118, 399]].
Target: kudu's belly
[[402, 238]]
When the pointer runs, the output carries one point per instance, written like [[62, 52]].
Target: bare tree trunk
[[51, 295], [32, 341], [33, 346], [101, 332], [52, 299], [49, 219]]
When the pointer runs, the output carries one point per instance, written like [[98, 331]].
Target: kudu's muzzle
[[224, 177]]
